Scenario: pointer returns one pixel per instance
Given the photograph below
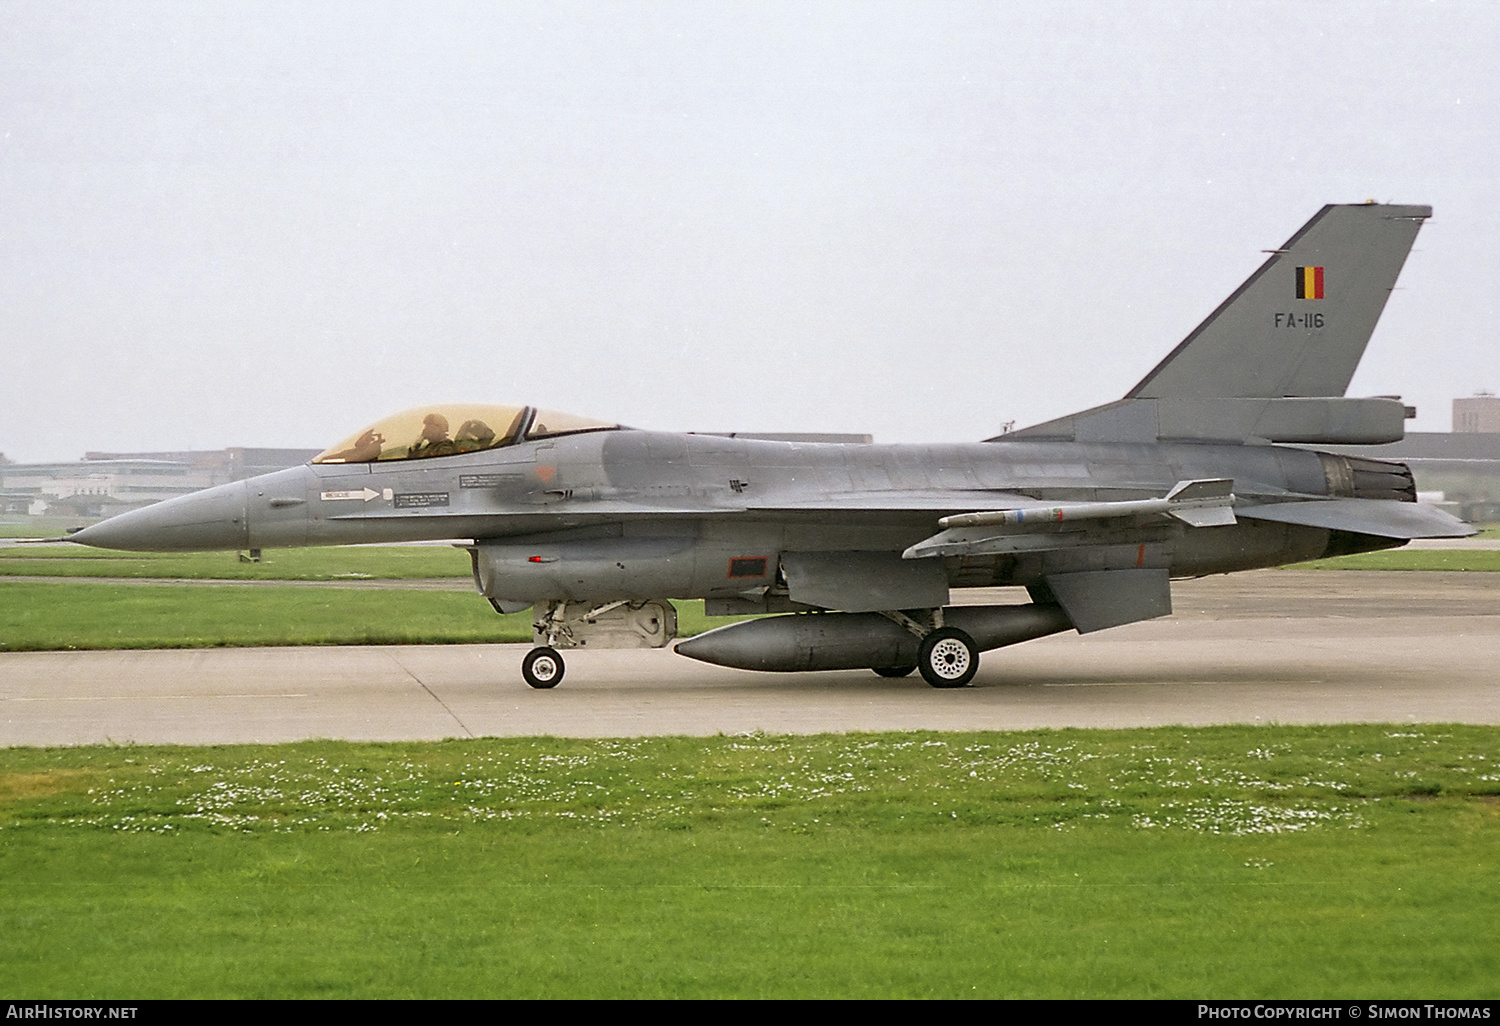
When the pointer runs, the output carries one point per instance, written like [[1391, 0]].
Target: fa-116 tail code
[[1299, 326], [1272, 363]]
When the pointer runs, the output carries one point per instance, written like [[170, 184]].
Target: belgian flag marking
[[1309, 283]]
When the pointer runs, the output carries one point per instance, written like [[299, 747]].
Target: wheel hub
[[950, 658]]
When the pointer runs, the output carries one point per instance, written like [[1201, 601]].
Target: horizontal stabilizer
[[1383, 518]]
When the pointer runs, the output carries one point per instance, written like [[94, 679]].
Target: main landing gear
[[947, 656]]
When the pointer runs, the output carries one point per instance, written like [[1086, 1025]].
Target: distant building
[[105, 483], [1480, 413]]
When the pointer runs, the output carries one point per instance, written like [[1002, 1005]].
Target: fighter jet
[[1202, 468]]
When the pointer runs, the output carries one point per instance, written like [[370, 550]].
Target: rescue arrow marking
[[364, 493]]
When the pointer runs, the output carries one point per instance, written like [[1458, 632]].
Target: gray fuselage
[[637, 514]]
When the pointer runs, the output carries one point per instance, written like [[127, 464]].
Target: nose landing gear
[[543, 667], [623, 623]]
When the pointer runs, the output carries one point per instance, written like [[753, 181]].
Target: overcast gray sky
[[269, 223]]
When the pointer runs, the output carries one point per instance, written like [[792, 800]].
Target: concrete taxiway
[[1271, 646]]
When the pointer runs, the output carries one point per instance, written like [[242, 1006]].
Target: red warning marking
[[1140, 555], [545, 473]]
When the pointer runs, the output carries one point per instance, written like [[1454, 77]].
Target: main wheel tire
[[894, 671], [948, 658], [543, 667]]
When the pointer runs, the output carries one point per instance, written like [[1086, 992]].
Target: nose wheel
[[543, 667]]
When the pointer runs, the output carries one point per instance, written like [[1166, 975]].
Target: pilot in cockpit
[[434, 440]]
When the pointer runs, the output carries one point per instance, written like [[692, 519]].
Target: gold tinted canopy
[[446, 429]]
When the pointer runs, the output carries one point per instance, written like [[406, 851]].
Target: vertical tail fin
[[1300, 324]]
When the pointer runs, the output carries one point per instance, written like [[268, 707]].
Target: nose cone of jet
[[206, 520]]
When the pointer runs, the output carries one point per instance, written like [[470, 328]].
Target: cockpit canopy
[[450, 428]]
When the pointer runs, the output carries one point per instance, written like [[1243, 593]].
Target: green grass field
[[1480, 560], [83, 615], [78, 613], [13, 525], [1226, 862], [325, 563], [393, 562]]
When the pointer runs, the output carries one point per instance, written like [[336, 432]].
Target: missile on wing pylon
[[1203, 503], [850, 641], [1206, 503]]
